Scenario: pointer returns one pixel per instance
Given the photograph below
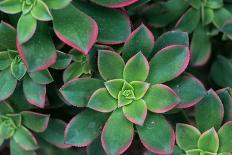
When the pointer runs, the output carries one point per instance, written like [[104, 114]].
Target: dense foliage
[[115, 77]]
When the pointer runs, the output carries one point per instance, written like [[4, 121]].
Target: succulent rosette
[[18, 127], [210, 142], [201, 18], [123, 98]]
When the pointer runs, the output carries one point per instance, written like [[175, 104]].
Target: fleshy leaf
[[54, 133], [214, 4], [95, 148], [126, 96], [35, 121], [114, 87], [66, 23], [62, 61], [8, 84], [189, 89], [18, 69], [189, 21], [160, 98], [84, 128], [141, 39], [136, 68], [157, 134], [24, 138], [210, 110], [136, 112], [209, 141], [225, 137], [187, 136], [195, 3], [117, 133], [114, 67], [35, 93], [170, 38], [10, 6], [41, 77], [221, 16], [140, 88], [39, 52], [57, 4], [102, 101], [15, 149], [26, 28], [5, 108], [78, 91], [226, 99], [200, 46], [193, 152], [161, 71], [114, 24], [73, 71], [40, 11], [7, 36], [114, 3], [207, 16]]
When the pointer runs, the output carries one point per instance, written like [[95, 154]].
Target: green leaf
[[15, 149], [114, 87], [189, 21], [5, 60], [5, 108], [220, 16], [189, 89], [41, 77], [18, 69], [95, 148], [7, 36], [102, 101], [160, 98], [210, 110], [187, 136], [136, 68], [62, 60], [24, 138], [40, 11], [54, 134], [170, 38], [29, 119], [207, 16], [66, 24], [225, 137], [35, 93], [222, 66], [195, 3], [8, 84], [165, 12], [156, 134], [114, 25], [126, 95], [114, 3], [193, 152], [57, 4], [140, 88], [73, 71], [10, 6], [141, 39], [78, 91], [226, 99], [117, 133], [214, 4], [7, 127], [26, 28], [200, 46], [39, 52], [84, 128], [114, 67], [160, 71], [209, 141], [136, 112]]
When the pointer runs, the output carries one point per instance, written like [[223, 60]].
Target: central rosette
[[7, 127]]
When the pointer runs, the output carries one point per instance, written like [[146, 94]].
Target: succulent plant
[[201, 18], [211, 142], [17, 128]]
